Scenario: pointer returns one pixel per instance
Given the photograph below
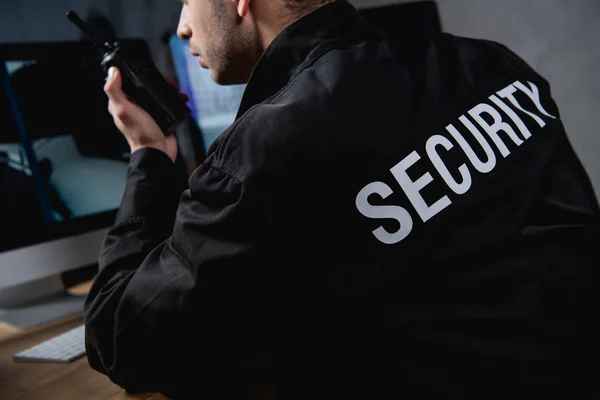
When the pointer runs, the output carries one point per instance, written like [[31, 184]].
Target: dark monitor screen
[[63, 162]]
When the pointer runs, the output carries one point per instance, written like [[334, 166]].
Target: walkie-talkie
[[142, 82]]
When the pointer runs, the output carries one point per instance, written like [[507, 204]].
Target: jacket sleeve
[[171, 310]]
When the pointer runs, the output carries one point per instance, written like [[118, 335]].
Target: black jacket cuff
[[153, 187]]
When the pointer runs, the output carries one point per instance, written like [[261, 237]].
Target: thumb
[[113, 86]]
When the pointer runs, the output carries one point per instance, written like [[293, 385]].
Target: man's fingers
[[118, 105], [113, 88], [119, 111]]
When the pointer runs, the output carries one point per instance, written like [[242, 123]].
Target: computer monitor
[[63, 165]]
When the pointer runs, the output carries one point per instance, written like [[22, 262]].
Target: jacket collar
[[295, 46]]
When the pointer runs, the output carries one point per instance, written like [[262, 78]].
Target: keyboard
[[63, 348]]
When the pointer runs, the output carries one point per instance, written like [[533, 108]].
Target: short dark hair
[[303, 6]]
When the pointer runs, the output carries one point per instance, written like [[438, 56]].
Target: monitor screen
[[213, 106], [63, 162]]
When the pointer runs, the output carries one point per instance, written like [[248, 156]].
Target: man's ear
[[242, 7]]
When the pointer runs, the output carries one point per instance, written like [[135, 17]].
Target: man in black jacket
[[381, 220]]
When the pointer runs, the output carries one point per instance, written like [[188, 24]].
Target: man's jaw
[[200, 59]]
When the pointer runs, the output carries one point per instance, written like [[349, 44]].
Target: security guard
[[398, 219]]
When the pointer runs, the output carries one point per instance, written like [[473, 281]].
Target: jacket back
[[427, 209]]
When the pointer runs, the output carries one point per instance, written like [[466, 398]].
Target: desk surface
[[32, 381]]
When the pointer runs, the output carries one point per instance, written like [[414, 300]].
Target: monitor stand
[[38, 302]]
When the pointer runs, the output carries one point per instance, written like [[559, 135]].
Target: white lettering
[[534, 95], [412, 189], [458, 188], [513, 116], [483, 167], [497, 126], [384, 212], [507, 93]]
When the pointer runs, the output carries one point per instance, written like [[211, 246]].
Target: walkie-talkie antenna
[[104, 46]]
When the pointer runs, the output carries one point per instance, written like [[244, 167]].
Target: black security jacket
[[400, 218]]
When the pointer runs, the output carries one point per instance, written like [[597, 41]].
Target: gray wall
[[557, 37]]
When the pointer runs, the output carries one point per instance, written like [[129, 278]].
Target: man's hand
[[136, 124]]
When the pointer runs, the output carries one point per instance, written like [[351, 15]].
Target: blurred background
[[557, 37]]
